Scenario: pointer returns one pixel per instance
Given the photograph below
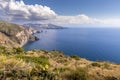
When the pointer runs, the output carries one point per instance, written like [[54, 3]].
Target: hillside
[[13, 35], [17, 64]]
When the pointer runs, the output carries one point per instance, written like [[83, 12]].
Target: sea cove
[[97, 44]]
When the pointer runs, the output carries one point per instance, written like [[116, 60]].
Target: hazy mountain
[[44, 26]]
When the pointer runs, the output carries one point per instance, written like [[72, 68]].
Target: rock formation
[[15, 35]]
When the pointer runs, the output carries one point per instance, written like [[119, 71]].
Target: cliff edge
[[13, 35]]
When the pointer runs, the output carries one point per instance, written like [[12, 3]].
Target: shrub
[[79, 74], [59, 70], [75, 57], [61, 60], [106, 65], [111, 78], [95, 64], [18, 50], [38, 60], [4, 50]]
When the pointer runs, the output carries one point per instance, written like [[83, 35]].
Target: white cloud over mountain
[[78, 19], [18, 11]]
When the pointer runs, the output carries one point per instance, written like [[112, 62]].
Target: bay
[[97, 44]]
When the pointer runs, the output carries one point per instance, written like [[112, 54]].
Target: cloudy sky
[[105, 13]]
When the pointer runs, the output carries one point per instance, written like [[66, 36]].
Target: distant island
[[17, 64]]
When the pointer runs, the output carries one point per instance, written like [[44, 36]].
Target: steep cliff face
[[6, 41], [15, 35]]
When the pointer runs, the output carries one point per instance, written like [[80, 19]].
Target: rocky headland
[[13, 35]]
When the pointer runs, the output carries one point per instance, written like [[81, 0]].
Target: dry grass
[[53, 65]]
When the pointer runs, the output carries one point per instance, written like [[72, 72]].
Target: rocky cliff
[[15, 35]]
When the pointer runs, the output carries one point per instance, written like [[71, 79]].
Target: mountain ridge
[[44, 26]]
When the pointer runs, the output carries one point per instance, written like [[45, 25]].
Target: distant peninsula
[[44, 26]]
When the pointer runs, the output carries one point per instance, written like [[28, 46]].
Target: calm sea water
[[91, 43]]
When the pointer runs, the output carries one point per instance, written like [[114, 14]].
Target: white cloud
[[79, 19], [18, 11], [83, 19]]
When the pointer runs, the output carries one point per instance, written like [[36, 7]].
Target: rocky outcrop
[[6, 41], [15, 35], [30, 30]]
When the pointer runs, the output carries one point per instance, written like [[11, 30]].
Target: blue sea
[[96, 44]]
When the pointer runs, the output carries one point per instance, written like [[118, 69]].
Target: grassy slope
[[52, 65]]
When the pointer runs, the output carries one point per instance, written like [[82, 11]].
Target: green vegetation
[[79, 74], [75, 57], [18, 50], [17, 64], [39, 60], [106, 65], [96, 64]]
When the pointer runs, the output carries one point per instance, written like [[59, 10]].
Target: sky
[[93, 8], [103, 13]]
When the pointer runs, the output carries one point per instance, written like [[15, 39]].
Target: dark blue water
[[91, 43]]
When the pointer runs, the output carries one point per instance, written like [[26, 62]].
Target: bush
[[95, 64], [106, 65], [111, 78], [60, 70], [4, 50], [38, 60], [75, 57], [79, 74], [18, 50]]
